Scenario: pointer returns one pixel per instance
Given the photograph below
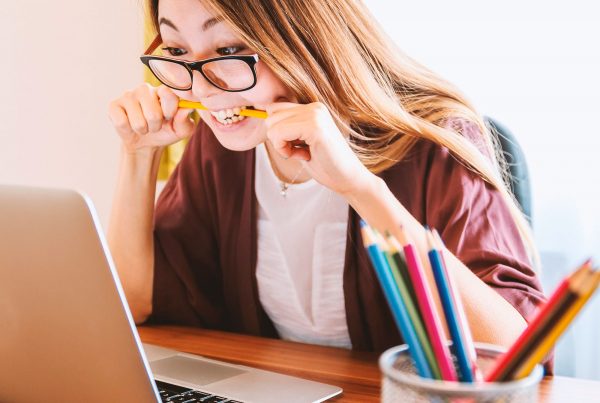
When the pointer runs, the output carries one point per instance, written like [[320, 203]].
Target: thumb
[[183, 124]]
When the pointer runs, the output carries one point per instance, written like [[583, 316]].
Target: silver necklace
[[285, 186]]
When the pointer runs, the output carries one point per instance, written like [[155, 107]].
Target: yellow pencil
[[546, 345], [253, 113]]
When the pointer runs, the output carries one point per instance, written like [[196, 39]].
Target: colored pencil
[[450, 312], [436, 369], [424, 299], [394, 300], [253, 113], [462, 317], [508, 362], [398, 255], [588, 286]]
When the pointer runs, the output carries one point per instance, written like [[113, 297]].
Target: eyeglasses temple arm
[[153, 45]]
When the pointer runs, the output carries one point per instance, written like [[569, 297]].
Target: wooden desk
[[357, 373]]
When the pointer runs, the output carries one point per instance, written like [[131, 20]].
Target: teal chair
[[517, 165]]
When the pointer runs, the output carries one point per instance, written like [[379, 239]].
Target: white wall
[[533, 65], [62, 63]]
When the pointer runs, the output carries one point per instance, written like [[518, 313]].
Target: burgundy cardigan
[[205, 240]]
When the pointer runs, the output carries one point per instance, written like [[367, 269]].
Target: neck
[[286, 169]]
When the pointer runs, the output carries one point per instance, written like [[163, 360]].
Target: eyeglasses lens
[[172, 74], [229, 74]]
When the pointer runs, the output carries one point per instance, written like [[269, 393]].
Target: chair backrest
[[519, 175]]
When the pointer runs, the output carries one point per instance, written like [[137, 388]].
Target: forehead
[[181, 8], [187, 17]]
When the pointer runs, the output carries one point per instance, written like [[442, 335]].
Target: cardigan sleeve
[[476, 225], [187, 286]]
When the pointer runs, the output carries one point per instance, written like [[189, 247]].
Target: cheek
[[268, 88], [184, 94]]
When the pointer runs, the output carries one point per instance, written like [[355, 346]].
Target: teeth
[[229, 116]]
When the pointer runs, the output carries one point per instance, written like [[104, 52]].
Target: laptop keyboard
[[178, 394]]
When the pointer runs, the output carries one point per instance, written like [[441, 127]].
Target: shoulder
[[433, 183], [432, 161]]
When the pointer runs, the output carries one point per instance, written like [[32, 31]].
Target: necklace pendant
[[284, 188]]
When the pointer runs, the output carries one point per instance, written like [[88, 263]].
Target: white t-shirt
[[301, 253]]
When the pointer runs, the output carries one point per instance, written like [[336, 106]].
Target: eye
[[174, 51], [230, 50]]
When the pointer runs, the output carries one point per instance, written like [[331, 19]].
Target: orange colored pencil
[[542, 350], [252, 113], [564, 296]]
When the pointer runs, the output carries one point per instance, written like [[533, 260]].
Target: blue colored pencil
[[411, 307], [392, 295], [466, 330], [459, 344]]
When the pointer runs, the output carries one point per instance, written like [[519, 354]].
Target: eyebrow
[[211, 22]]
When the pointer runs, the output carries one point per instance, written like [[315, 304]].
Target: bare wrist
[[364, 185], [141, 164], [141, 153]]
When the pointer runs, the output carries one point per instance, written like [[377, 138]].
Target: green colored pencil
[[413, 313]]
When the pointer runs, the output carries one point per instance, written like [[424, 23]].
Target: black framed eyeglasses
[[233, 73]]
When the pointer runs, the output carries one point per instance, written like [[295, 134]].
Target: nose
[[201, 88]]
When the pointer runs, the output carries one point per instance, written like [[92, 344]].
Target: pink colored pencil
[[426, 306]]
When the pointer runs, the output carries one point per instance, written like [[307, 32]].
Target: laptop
[[66, 332]]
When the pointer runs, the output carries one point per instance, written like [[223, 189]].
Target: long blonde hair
[[335, 52]]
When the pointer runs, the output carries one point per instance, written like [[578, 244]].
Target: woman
[[257, 229]]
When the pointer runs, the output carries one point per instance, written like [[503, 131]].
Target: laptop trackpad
[[193, 371]]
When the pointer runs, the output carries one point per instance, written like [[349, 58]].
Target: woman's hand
[[327, 155], [148, 117]]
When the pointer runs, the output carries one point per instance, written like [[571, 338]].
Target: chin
[[237, 144], [241, 137]]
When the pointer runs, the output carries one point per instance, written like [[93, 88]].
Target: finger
[[279, 106], [119, 119], [150, 107], [168, 101], [276, 115], [183, 124], [284, 150], [300, 154], [289, 131], [135, 115]]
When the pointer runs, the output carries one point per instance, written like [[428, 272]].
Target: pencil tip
[[438, 239], [401, 236], [429, 237], [366, 233]]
